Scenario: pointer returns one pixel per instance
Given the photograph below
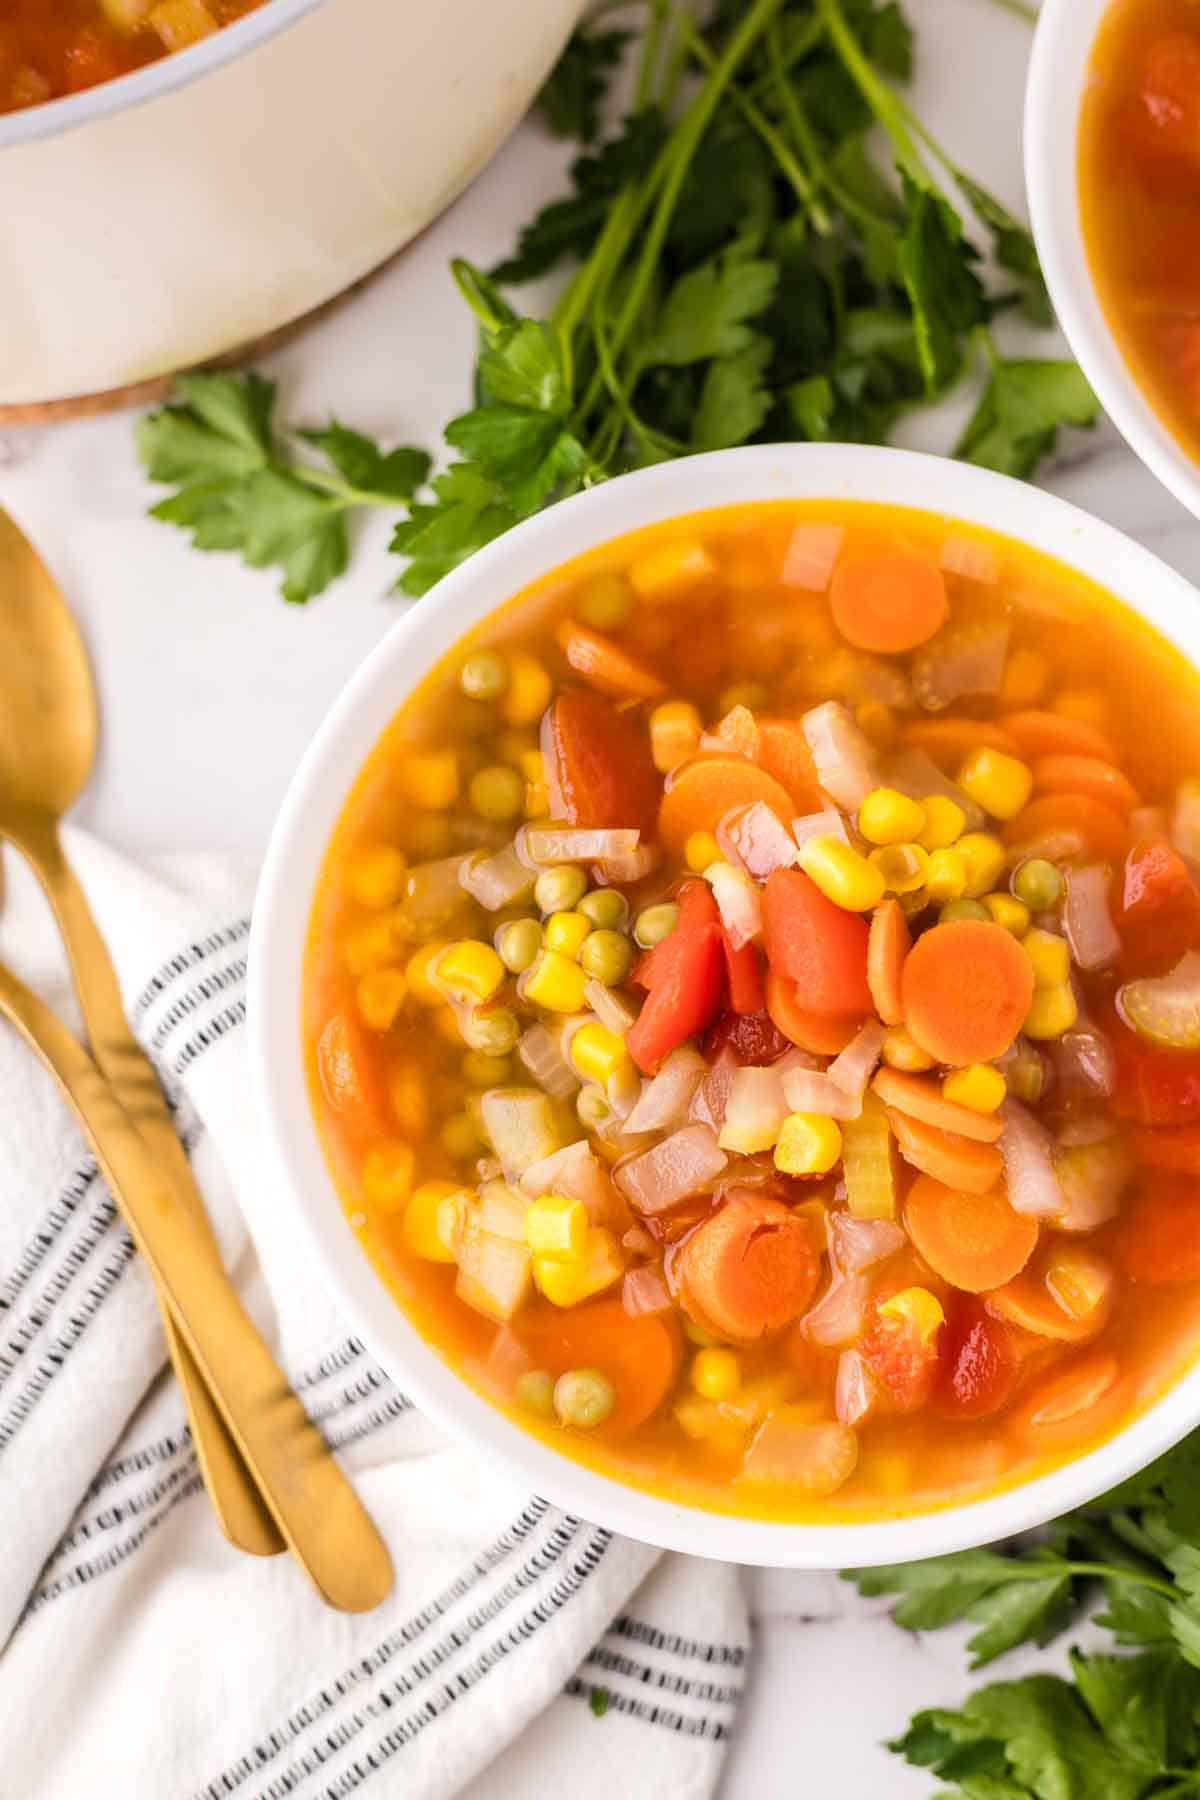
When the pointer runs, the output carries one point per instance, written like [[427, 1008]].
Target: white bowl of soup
[[181, 178], [725, 1006], [1112, 161]]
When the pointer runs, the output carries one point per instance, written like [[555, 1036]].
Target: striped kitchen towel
[[522, 1652]]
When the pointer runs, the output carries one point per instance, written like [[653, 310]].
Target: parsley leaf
[[599, 1700], [706, 312], [937, 266], [1019, 414], [1012, 246], [735, 400], [576, 87]]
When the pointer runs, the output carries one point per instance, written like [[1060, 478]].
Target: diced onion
[[736, 733], [1185, 820], [811, 556], [756, 839], [854, 1067], [969, 557], [854, 1389], [541, 845], [433, 898], [837, 1091], [541, 1052], [495, 881], [914, 772], [712, 1096], [665, 1100], [1092, 1178], [1084, 1065], [494, 1273], [638, 1242], [858, 1244], [1028, 1153], [738, 902], [645, 1291], [837, 1318], [754, 1110], [963, 659], [610, 1007], [630, 866], [826, 823], [521, 1125], [680, 1165], [577, 1173], [845, 761], [1090, 930]]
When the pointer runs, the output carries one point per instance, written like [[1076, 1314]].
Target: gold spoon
[[48, 731], [314, 1506]]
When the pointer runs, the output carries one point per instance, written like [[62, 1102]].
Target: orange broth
[[402, 1092]]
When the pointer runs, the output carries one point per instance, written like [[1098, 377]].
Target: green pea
[[605, 603], [655, 924], [494, 1032], [963, 909], [485, 1070], [559, 889], [607, 908], [583, 1397], [607, 956], [484, 676], [1038, 883], [460, 1138], [497, 793], [592, 1107], [518, 943], [744, 693], [535, 1392]]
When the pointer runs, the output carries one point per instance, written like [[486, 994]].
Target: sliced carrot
[[1039, 733], [1080, 1401], [1029, 1303], [1085, 775], [639, 1355], [1174, 1151], [708, 787], [807, 1030], [351, 1079], [967, 987], [1062, 825], [921, 1098], [598, 764], [959, 1162], [784, 753], [889, 600], [887, 946], [605, 666], [750, 1269], [950, 741], [973, 1241], [1159, 1240]]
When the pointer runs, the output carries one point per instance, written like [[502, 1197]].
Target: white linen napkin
[[147, 1658]]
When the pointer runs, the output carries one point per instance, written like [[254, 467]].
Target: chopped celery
[[868, 1162]]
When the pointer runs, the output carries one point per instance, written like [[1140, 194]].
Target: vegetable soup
[[752, 1007], [49, 48], [1139, 187]]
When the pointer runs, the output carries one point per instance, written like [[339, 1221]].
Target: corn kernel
[[984, 858], [1008, 911], [537, 800], [557, 1227], [1053, 1012], [566, 932], [387, 1175], [904, 867], [750, 695], [409, 1096], [701, 851], [431, 1220], [430, 778], [675, 729], [918, 1308], [445, 1023], [1025, 677], [555, 982], [1080, 1283], [877, 723], [808, 1144], [945, 822], [567, 1283], [1050, 956], [900, 1052], [667, 573], [1001, 784], [887, 816], [418, 972], [715, 1374], [842, 875], [380, 995], [605, 602], [980, 1087], [376, 877], [946, 877], [469, 970], [371, 944], [515, 744], [597, 1052], [1084, 704], [529, 690], [532, 765]]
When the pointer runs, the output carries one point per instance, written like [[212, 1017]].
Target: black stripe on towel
[[651, 1713], [183, 961], [612, 1662], [638, 1632], [232, 975], [47, 1233]]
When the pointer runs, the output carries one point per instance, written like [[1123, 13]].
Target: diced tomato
[[349, 1077], [1159, 920], [753, 1037], [816, 945], [1154, 1087], [598, 764], [1174, 1149], [900, 1359], [683, 978], [744, 976], [1159, 1240], [978, 1366]]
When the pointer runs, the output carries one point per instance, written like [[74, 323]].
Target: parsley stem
[[337, 489], [805, 137], [877, 94], [651, 45], [1019, 10], [801, 45], [1036, 1570]]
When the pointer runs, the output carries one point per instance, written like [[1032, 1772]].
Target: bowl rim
[[313, 801], [176, 70], [1058, 75]]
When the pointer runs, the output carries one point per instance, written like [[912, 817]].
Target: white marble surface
[[211, 687]]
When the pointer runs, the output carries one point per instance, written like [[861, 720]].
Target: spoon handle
[[318, 1512], [239, 1507]]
